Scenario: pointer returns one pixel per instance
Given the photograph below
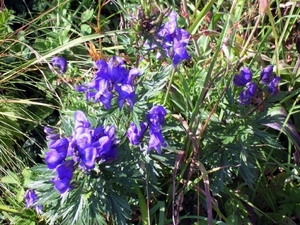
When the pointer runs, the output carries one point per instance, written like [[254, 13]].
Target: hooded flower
[[266, 75], [60, 62], [64, 174], [81, 121], [247, 94], [134, 133], [84, 149], [156, 141], [31, 198], [110, 78], [126, 93], [87, 153], [267, 78], [244, 79], [58, 152], [156, 119], [51, 135], [107, 145], [172, 40], [273, 85]]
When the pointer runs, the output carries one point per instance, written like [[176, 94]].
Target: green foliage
[[245, 158]]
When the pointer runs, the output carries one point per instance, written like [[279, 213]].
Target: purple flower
[[106, 149], [170, 27], [244, 77], [131, 75], [117, 70], [54, 158], [156, 141], [81, 120], [180, 53], [92, 144], [111, 77], [266, 75], [134, 134], [60, 62], [50, 134], [88, 157], [155, 119], [273, 85], [102, 71], [267, 78], [64, 174], [87, 153], [104, 94], [126, 92], [172, 40], [58, 153], [247, 94], [84, 148], [31, 198]]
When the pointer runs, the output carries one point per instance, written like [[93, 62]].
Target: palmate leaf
[[93, 199], [119, 208]]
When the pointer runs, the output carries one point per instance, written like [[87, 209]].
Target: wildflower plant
[[97, 161], [159, 120], [251, 89]]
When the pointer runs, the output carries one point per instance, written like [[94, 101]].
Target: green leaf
[[12, 178], [87, 15], [285, 125], [26, 176], [20, 195], [85, 29]]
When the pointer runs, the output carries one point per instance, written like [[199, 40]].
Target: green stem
[[14, 211], [271, 18], [169, 86]]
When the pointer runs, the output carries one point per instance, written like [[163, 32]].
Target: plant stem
[[169, 86]]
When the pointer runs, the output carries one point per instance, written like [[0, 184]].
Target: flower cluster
[[155, 121], [60, 62], [86, 147], [244, 79], [31, 198], [267, 78], [109, 77], [173, 41]]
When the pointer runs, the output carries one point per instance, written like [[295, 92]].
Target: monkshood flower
[[57, 153], [173, 41], [126, 93], [60, 62], [266, 75], [110, 78], [247, 94], [30, 199], [244, 79], [156, 119], [64, 174], [267, 78], [156, 141], [93, 144], [135, 134], [84, 149], [51, 135], [273, 85]]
